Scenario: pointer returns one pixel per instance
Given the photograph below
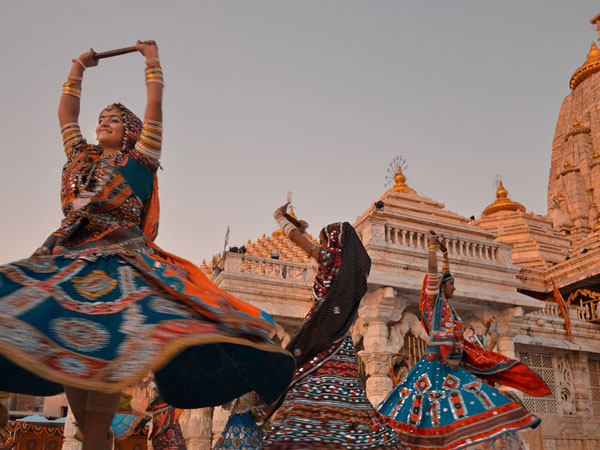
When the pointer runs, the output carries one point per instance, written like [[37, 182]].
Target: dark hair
[[445, 277]]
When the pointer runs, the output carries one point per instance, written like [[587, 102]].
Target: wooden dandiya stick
[[117, 52]]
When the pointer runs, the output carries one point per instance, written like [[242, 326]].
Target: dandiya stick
[[117, 52]]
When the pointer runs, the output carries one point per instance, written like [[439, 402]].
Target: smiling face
[[449, 288], [110, 130]]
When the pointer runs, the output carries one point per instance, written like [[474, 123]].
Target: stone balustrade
[[405, 237], [576, 312], [269, 267]]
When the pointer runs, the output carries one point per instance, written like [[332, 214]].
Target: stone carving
[[409, 322], [565, 387], [196, 425]]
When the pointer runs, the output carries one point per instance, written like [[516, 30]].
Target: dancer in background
[[244, 428], [441, 404], [99, 305], [325, 406]]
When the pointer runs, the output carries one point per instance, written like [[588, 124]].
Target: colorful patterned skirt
[[443, 408], [240, 433], [102, 318], [326, 408]]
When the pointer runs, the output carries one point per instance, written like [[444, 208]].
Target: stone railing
[[268, 267], [576, 312], [404, 237], [589, 311]]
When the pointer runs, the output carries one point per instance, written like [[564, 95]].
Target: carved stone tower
[[574, 184]]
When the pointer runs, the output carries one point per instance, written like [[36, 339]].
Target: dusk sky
[[316, 97]]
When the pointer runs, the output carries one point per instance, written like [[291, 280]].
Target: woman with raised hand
[[99, 305], [325, 406], [444, 403]]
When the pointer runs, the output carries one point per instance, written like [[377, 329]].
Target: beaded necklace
[[117, 156]]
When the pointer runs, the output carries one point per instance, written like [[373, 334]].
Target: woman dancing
[[441, 404], [325, 406], [99, 305]]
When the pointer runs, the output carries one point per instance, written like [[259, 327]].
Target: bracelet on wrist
[[80, 62]]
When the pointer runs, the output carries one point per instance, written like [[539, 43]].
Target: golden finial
[[395, 173], [576, 123], [597, 227], [596, 21], [566, 164], [595, 155], [589, 67], [503, 202]]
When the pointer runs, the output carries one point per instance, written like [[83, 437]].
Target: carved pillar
[[70, 443], [377, 310], [233, 262], [374, 231], [219, 420], [196, 425], [581, 384], [507, 331]]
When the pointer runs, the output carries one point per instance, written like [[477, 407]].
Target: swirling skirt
[[443, 408], [101, 323], [326, 408], [240, 433]]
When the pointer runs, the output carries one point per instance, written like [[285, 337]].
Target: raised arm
[[68, 107], [296, 235], [150, 142], [154, 80]]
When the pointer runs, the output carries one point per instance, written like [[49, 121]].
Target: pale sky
[[313, 96]]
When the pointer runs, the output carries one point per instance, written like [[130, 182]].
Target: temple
[[505, 264]]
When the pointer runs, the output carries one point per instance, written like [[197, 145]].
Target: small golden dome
[[590, 67], [400, 185], [502, 203], [576, 123], [566, 164]]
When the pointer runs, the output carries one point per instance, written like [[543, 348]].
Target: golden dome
[[400, 180], [502, 203], [590, 67]]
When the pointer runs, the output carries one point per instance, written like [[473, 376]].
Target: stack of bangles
[[72, 89], [286, 225], [154, 72], [432, 246]]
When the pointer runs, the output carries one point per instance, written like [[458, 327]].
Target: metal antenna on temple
[[226, 240], [399, 162], [497, 181]]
